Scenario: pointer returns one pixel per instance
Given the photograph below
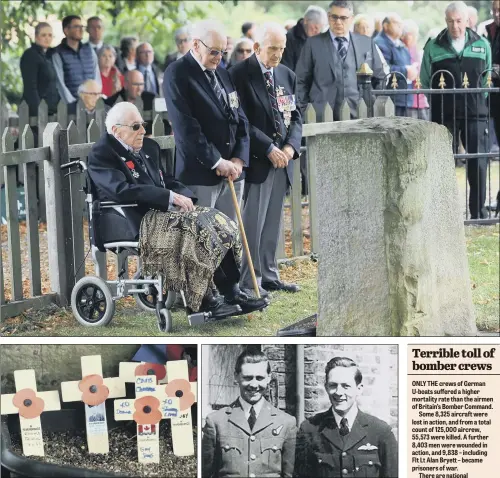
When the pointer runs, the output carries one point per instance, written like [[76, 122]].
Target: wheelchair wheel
[[146, 301], [91, 302], [164, 318]]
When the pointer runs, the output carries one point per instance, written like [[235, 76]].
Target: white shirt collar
[[264, 69], [96, 45], [203, 68], [126, 146], [247, 406], [458, 44], [350, 415], [333, 37]]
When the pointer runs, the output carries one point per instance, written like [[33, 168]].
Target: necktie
[[137, 156], [274, 103], [252, 418], [342, 47], [218, 91], [344, 429], [147, 82]]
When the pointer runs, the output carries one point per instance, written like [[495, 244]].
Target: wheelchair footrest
[[199, 318]]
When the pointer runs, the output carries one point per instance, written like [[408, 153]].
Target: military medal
[[130, 165], [162, 182], [280, 90], [233, 100]]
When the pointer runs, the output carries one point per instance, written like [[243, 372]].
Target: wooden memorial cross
[[150, 405], [30, 404], [176, 376], [93, 390]]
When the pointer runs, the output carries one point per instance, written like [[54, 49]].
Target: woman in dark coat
[[39, 76]]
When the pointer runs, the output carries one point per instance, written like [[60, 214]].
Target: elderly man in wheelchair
[[136, 208]]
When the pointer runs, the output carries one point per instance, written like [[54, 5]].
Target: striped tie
[[218, 91], [342, 47], [274, 104]]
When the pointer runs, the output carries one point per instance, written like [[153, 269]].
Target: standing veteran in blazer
[[328, 62], [267, 91], [250, 438], [344, 441], [210, 128]]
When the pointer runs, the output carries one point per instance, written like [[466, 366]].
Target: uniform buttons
[[251, 475], [357, 468], [370, 463], [344, 471], [275, 447], [320, 460], [344, 453], [252, 438], [252, 457], [227, 144], [274, 135], [227, 447]]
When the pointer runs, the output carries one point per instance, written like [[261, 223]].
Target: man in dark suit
[[125, 167], [145, 64], [344, 441], [267, 92], [210, 127], [328, 62], [250, 437]]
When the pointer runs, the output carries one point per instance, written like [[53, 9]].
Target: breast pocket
[[368, 464], [325, 465], [271, 449], [231, 447]]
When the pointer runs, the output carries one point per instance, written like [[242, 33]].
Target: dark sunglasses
[[214, 52], [135, 126], [334, 18]]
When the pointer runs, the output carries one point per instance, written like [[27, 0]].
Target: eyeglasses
[[212, 51], [335, 18], [91, 93], [135, 126], [137, 84], [243, 50]]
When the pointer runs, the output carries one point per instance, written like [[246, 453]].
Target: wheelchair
[[93, 298]]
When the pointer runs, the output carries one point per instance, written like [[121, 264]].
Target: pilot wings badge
[[367, 447]]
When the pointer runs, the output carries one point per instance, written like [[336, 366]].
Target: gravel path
[[70, 449]]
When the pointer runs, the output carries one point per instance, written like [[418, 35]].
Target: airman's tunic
[[231, 449], [369, 450]]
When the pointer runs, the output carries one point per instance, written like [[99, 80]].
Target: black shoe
[[218, 308], [281, 286], [247, 304]]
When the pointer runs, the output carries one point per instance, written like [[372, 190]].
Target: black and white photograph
[[299, 411]]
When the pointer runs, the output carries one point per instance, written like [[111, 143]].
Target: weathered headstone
[[29, 404], [391, 234], [176, 378], [93, 390], [150, 406]]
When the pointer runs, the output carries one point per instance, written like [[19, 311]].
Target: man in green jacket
[[464, 56]]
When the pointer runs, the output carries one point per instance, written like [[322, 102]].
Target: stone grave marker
[[93, 390], [30, 404], [177, 385], [150, 406]]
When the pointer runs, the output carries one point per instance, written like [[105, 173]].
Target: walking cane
[[244, 238]]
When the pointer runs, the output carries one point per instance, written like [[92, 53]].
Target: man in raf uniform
[[250, 437], [344, 441], [267, 92]]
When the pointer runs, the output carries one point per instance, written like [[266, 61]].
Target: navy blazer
[[110, 169], [250, 84], [397, 57], [203, 131]]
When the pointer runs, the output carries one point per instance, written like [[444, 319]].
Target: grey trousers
[[262, 220], [219, 197]]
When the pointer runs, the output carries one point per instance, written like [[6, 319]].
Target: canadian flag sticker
[[147, 429]]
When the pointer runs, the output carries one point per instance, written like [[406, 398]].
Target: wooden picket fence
[[64, 202]]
